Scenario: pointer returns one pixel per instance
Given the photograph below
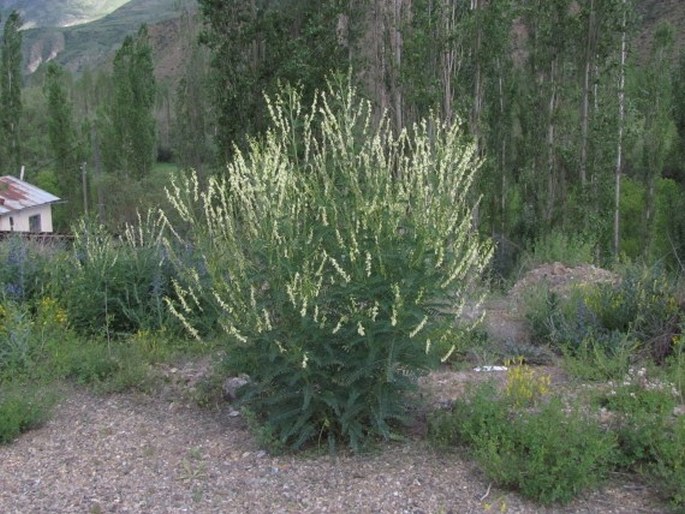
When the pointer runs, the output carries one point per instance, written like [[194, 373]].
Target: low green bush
[[599, 359], [640, 315], [545, 453], [667, 471], [651, 437], [22, 407], [112, 286], [104, 367], [644, 303]]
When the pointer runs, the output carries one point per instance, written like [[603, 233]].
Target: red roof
[[16, 195]]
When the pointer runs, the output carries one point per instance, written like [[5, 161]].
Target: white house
[[24, 207]]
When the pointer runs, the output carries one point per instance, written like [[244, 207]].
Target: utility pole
[[85, 188]]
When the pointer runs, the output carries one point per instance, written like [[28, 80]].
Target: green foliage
[[668, 241], [125, 199], [644, 304], [15, 338], [558, 246], [110, 286], [102, 366], [23, 269], [650, 437], [335, 256], [632, 207], [10, 94], [638, 316], [301, 42], [676, 363], [128, 120], [22, 407], [63, 138], [546, 454], [667, 472], [26, 330], [598, 358]]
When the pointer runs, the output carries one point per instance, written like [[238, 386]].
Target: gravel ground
[[139, 454], [158, 454]]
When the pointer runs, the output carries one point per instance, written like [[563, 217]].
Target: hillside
[[59, 13], [93, 44], [652, 14]]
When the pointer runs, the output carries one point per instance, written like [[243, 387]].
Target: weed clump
[[548, 453]]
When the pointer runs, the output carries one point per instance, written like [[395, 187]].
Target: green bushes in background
[[637, 316], [115, 286]]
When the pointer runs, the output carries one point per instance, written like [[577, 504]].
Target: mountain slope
[[91, 44], [59, 13]]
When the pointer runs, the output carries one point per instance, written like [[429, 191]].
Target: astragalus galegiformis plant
[[338, 257]]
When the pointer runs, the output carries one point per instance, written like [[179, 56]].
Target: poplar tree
[[656, 105], [192, 121], [62, 136], [10, 94], [129, 121], [257, 46]]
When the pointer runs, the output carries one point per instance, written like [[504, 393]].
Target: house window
[[34, 223]]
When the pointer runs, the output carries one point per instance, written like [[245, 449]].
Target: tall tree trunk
[[95, 143], [449, 58], [621, 120], [503, 150], [477, 79], [551, 139], [585, 108], [397, 63]]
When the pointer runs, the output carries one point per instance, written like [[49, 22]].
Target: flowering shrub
[[525, 386], [23, 268], [337, 257], [114, 285]]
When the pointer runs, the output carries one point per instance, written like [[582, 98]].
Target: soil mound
[[560, 278]]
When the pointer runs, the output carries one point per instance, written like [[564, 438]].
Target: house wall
[[21, 219]]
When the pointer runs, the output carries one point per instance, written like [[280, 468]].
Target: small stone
[[232, 385]]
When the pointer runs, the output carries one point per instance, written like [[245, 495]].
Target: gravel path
[[138, 454]]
